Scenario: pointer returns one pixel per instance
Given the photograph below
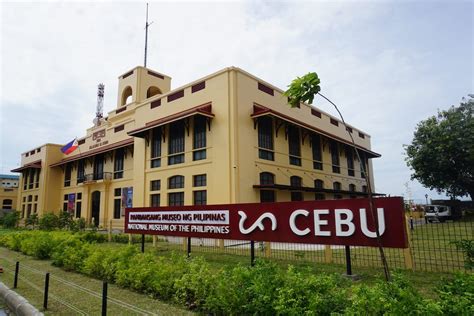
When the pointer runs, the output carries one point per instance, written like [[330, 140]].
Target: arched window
[[352, 188], [127, 95], [337, 187], [267, 178], [176, 198], [319, 184], [152, 91], [295, 181], [7, 204], [176, 182]]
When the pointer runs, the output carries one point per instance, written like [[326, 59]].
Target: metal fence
[[432, 247]]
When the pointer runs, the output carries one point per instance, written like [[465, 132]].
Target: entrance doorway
[[95, 204]]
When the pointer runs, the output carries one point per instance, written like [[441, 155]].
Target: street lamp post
[[426, 197]]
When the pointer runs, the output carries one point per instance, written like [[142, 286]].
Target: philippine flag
[[70, 147]]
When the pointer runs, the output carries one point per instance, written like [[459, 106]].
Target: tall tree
[[442, 151]]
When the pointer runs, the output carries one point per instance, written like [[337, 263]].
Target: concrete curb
[[17, 303]]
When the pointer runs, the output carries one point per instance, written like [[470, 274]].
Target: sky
[[387, 64]]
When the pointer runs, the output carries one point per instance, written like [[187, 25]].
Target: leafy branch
[[304, 89]]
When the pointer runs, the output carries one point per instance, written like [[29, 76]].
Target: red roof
[[204, 109], [35, 165], [96, 151], [260, 110]]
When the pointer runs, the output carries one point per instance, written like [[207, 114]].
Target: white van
[[437, 213]]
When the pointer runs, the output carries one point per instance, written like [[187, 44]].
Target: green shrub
[[104, 264], [38, 244], [81, 224], [10, 220], [93, 237], [112, 259], [266, 278], [456, 297], [70, 253], [13, 241], [246, 290], [230, 295], [397, 297], [467, 247], [120, 238], [166, 272], [49, 221], [264, 289], [32, 220], [137, 272], [73, 226], [195, 285], [148, 274], [3, 240], [124, 239], [65, 220], [303, 293], [93, 263]]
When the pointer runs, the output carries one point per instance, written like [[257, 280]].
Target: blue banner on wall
[[127, 198]]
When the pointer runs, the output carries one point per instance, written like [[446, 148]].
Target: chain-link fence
[[432, 247]]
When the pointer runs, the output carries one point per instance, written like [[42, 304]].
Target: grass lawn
[[75, 294]]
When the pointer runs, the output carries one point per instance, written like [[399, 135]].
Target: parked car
[[440, 213]]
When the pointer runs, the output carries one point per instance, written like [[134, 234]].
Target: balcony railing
[[93, 177]]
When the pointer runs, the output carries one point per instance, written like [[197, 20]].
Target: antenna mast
[[146, 33], [100, 104]]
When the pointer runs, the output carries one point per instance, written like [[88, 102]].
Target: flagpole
[[79, 147]]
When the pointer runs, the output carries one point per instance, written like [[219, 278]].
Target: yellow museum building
[[229, 137], [8, 192]]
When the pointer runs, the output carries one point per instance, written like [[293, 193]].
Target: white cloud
[[53, 55]]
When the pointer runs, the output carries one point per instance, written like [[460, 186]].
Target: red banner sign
[[330, 222]]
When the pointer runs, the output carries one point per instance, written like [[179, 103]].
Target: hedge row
[[264, 289]]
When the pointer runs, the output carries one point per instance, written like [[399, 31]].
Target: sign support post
[[189, 247], [348, 260], [252, 253], [143, 243]]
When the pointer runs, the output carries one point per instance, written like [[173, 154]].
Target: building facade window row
[[98, 165], [177, 142], [294, 139], [117, 203], [7, 204], [72, 203], [30, 178], [176, 185], [29, 205], [268, 178]]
